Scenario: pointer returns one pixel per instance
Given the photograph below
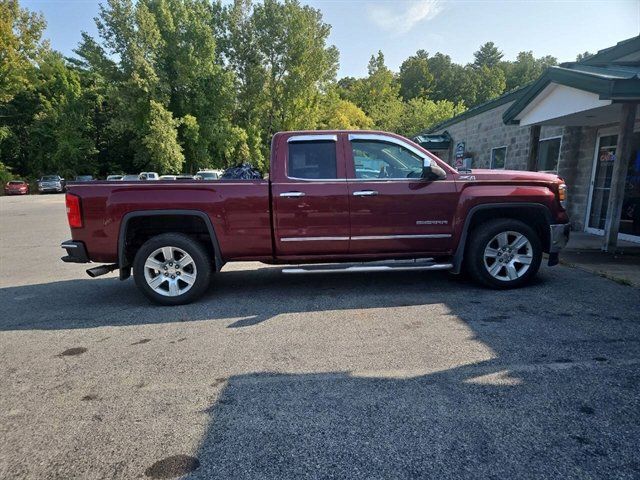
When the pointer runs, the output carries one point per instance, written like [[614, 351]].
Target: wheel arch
[[537, 215], [124, 262]]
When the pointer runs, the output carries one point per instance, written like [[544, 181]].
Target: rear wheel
[[172, 269], [504, 253]]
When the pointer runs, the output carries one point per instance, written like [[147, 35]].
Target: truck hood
[[507, 175]]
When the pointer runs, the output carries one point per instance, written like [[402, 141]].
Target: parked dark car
[[16, 187], [51, 183]]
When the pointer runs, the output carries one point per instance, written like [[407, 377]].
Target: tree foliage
[[179, 85]]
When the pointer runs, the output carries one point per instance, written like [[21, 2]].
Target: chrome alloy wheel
[[508, 256], [170, 271]]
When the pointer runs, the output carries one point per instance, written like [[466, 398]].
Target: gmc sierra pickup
[[334, 201]]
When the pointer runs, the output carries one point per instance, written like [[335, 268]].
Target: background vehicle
[[209, 174], [130, 178], [51, 183], [167, 177], [114, 177], [149, 176], [185, 176], [84, 178], [16, 187], [318, 207]]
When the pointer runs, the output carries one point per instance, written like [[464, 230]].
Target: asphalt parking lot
[[386, 375]]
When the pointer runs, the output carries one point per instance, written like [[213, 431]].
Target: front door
[[393, 209], [310, 200], [606, 156]]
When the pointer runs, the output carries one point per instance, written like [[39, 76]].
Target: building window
[[549, 154], [498, 157]]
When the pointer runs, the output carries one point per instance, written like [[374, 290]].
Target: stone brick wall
[[576, 162], [485, 131]]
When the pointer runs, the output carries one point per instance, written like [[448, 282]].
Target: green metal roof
[[478, 109], [612, 74]]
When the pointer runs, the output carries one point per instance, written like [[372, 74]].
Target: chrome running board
[[397, 265]]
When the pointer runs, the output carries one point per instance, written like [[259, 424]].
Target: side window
[[312, 160], [378, 159], [498, 157]]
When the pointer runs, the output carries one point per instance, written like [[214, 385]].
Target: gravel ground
[[386, 375]]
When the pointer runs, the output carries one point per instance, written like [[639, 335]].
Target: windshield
[[16, 182], [47, 178]]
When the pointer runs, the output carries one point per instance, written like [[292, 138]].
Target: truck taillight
[[74, 214]]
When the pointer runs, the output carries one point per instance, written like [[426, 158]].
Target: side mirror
[[432, 171]]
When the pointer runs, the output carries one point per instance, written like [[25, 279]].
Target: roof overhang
[[556, 102], [562, 92]]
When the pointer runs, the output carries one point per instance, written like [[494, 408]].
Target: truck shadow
[[243, 298], [247, 298]]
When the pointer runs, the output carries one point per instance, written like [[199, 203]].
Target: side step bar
[[397, 265]]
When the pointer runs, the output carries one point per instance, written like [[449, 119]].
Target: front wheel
[[504, 253], [172, 269]]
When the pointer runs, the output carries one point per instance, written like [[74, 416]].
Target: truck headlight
[[562, 195]]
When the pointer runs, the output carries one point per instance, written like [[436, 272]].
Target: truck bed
[[238, 210]]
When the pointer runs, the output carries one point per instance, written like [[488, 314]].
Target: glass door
[[606, 156], [630, 217], [601, 182]]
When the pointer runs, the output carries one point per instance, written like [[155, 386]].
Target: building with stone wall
[[568, 122]]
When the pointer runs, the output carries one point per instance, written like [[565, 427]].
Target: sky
[[399, 28]]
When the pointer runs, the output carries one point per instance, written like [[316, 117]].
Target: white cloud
[[400, 17]]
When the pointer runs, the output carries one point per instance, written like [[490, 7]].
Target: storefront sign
[[459, 155]]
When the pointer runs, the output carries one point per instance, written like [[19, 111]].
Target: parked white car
[[149, 176], [209, 174]]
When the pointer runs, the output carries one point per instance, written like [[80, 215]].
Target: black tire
[[201, 260], [483, 236]]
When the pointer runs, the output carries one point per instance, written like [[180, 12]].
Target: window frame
[[559, 154], [374, 137], [314, 138], [504, 166]]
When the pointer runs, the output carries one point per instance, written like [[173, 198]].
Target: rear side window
[[312, 160]]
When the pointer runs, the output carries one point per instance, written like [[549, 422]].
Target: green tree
[[61, 136], [487, 56], [526, 68], [415, 78], [450, 81], [159, 149], [340, 114], [420, 114], [378, 95], [164, 52], [20, 48], [282, 64], [299, 64], [488, 83]]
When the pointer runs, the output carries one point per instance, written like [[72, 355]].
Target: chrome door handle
[[365, 193], [292, 194]]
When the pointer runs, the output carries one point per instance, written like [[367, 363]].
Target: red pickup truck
[[334, 200]]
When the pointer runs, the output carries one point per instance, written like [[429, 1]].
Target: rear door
[[310, 198], [393, 209]]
